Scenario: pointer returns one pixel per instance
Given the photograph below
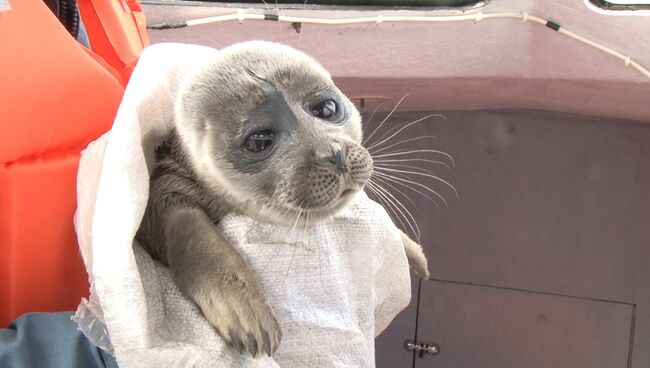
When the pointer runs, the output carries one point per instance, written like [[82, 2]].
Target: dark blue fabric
[[39, 340]]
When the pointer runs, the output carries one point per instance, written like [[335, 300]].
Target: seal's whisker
[[306, 244], [404, 166], [278, 247], [373, 188], [399, 207], [394, 144], [280, 25], [385, 182], [320, 272], [284, 212], [402, 153], [388, 205], [386, 118], [383, 134], [394, 202], [397, 160], [393, 171], [404, 127], [372, 115], [302, 32], [371, 185], [390, 130], [421, 174], [394, 129], [293, 254], [405, 181], [402, 124], [293, 228], [328, 221], [409, 187]]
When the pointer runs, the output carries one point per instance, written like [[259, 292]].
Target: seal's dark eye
[[259, 141], [325, 110]]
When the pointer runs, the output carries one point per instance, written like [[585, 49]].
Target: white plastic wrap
[[333, 286]]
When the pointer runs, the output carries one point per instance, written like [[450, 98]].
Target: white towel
[[333, 286]]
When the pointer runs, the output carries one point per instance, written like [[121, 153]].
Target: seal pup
[[262, 131]]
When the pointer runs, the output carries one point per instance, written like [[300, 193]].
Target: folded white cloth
[[333, 285]]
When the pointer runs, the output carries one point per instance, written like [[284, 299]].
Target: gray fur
[[415, 255], [203, 173]]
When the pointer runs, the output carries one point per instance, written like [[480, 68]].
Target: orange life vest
[[55, 97]]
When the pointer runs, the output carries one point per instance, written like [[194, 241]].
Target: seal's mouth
[[347, 193], [343, 199], [290, 215]]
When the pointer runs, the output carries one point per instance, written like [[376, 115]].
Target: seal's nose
[[338, 159]]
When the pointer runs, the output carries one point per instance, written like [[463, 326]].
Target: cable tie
[[380, 18], [524, 17], [552, 25], [167, 25], [242, 16], [271, 17], [628, 61], [479, 16]]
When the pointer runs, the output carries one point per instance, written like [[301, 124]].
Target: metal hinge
[[422, 348]]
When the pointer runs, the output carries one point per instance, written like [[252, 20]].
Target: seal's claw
[[243, 319], [235, 341], [267, 343], [252, 344]]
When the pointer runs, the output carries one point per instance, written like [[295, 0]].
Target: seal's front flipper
[[211, 272], [416, 257]]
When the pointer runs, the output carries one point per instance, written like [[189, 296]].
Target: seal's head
[[266, 129]]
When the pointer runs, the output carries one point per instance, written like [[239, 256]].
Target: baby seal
[[262, 131]]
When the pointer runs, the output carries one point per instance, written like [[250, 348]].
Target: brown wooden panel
[[481, 326]]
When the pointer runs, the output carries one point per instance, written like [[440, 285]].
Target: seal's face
[[267, 128]]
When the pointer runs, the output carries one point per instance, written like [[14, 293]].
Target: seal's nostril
[[338, 159]]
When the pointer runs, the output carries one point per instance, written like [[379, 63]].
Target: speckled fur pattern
[[204, 172]]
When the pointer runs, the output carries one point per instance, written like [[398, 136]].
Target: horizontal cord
[[241, 16]]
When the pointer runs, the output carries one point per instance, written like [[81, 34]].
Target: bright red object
[[56, 96]]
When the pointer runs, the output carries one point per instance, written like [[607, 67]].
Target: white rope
[[241, 15]]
